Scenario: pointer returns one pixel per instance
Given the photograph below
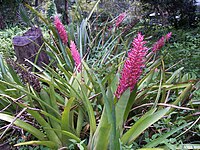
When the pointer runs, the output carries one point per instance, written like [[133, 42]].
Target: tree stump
[[28, 46]]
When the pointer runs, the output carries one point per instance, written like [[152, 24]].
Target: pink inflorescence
[[120, 18], [61, 29], [168, 36], [161, 42], [133, 65], [75, 55]]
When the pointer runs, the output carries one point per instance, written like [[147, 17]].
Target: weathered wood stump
[[28, 46]]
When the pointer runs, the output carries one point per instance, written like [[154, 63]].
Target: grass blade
[[49, 144], [23, 125], [142, 124], [159, 140]]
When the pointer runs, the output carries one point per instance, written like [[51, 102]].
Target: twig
[[189, 127], [127, 127], [20, 113], [13, 100], [63, 148], [162, 104], [7, 126], [5, 107], [93, 96], [168, 93], [174, 65]]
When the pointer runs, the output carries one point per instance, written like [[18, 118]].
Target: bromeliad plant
[[82, 107]]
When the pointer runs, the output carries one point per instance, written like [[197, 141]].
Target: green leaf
[[65, 125], [65, 56], [174, 75], [80, 122], [45, 20], [163, 137], [51, 135], [23, 125], [24, 15], [2, 66], [70, 135], [53, 104], [50, 116], [146, 79], [130, 102], [38, 14], [189, 146], [121, 107], [95, 7], [49, 144], [109, 114], [45, 96], [14, 75], [101, 136], [20, 88], [53, 98], [142, 124], [65, 115], [89, 109], [184, 94], [151, 149]]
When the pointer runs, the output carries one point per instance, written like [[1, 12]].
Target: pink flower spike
[[61, 29], [168, 36], [120, 18], [75, 55], [133, 65], [161, 42]]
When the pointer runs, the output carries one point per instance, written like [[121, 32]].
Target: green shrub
[[6, 35], [184, 51]]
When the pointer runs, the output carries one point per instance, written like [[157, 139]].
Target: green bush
[[6, 35], [184, 51]]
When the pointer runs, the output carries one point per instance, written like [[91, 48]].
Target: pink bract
[[133, 65], [61, 30], [120, 18], [161, 42], [75, 55], [168, 36]]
